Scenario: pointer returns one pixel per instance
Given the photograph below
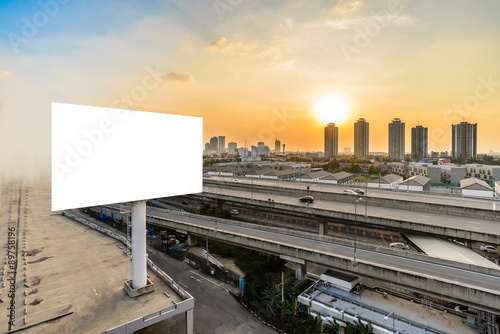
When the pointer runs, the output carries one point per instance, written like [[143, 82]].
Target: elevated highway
[[462, 283], [464, 227]]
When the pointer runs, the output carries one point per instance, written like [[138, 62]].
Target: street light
[[387, 318], [355, 227]]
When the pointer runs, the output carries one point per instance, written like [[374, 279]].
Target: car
[[401, 245], [185, 203], [236, 181], [465, 309], [358, 191], [349, 192], [488, 249], [234, 212], [308, 199]]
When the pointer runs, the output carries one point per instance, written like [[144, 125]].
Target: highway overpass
[[478, 287], [411, 219]]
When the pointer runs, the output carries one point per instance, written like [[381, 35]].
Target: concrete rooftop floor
[[66, 267]]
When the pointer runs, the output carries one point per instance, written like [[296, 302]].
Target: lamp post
[[355, 227], [387, 318]]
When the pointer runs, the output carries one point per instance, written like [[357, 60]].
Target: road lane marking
[[205, 278], [184, 284], [195, 279]]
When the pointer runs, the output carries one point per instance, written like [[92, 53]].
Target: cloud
[[4, 73], [221, 44], [176, 76], [345, 7], [386, 19]]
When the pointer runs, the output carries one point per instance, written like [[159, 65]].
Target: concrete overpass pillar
[[189, 321], [301, 271], [323, 225], [192, 240], [220, 205]]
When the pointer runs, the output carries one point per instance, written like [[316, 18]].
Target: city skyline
[[418, 140], [378, 60]]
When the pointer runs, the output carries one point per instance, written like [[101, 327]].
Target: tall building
[[361, 138], [257, 151], [331, 140], [418, 143], [260, 144], [397, 140], [464, 140], [214, 144], [222, 143], [277, 146], [207, 148], [232, 147]]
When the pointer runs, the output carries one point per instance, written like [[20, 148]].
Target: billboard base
[[127, 286]]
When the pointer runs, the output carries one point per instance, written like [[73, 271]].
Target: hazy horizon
[[254, 70]]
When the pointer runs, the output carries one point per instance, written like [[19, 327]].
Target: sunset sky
[[254, 70]]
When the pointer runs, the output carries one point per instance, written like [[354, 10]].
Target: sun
[[332, 108]]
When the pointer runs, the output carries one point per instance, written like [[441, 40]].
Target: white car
[[350, 192], [489, 249], [401, 245], [234, 212], [236, 181]]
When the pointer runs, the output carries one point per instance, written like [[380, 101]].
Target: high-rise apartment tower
[[397, 140], [418, 143], [331, 140], [464, 140], [361, 138]]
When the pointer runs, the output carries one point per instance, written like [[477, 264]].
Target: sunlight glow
[[332, 108]]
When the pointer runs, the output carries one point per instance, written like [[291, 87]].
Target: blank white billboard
[[103, 155]]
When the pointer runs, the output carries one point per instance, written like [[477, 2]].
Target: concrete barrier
[[449, 210], [398, 225]]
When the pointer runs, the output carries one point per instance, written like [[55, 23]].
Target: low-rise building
[[338, 178], [399, 167], [415, 183], [425, 169], [390, 181], [475, 188], [486, 173], [314, 176]]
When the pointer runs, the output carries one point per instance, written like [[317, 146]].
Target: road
[[455, 222], [403, 264], [488, 204], [216, 311]]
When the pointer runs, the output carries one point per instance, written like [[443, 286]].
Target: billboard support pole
[[139, 278]]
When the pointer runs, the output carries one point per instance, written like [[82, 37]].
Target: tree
[[355, 168], [292, 308], [359, 328], [271, 297]]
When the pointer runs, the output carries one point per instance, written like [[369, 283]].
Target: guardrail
[[450, 210], [174, 285], [335, 240]]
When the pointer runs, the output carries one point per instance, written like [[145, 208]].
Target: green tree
[[359, 328], [292, 308], [355, 168], [271, 297]]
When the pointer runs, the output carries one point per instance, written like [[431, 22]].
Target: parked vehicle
[[350, 192], [358, 191], [185, 203], [400, 245], [488, 249], [234, 212], [236, 181], [308, 199]]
